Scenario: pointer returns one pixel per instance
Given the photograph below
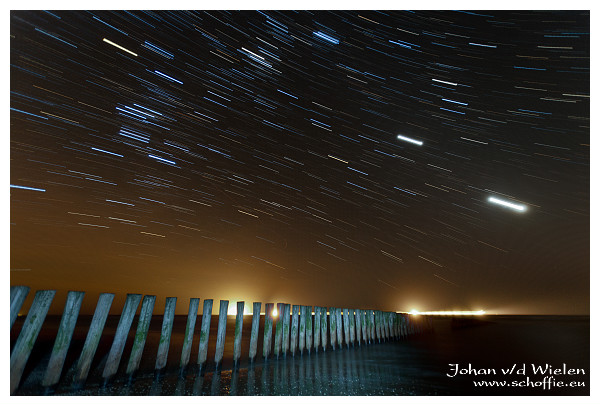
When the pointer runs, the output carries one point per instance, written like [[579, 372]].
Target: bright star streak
[[514, 206], [119, 46], [412, 141]]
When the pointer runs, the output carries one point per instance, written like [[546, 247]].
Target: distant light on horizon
[[510, 205], [407, 139], [449, 313]]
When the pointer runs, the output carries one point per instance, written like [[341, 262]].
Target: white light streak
[[407, 139], [513, 206], [119, 46]]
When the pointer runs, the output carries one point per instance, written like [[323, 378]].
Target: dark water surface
[[419, 365]]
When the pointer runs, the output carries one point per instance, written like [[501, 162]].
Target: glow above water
[[449, 313]]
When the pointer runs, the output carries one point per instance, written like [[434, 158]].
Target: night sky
[[255, 156]]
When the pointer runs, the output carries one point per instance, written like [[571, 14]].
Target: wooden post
[[302, 331], [294, 334], [372, 324], [352, 328], [278, 329], [345, 316], [339, 326], [317, 334], [237, 340], [17, 297], [63, 340], [141, 334], [165, 335], [254, 333], [188, 337], [91, 341], [116, 350], [332, 327], [324, 328], [286, 329], [221, 330], [28, 335], [204, 333], [309, 329], [363, 323], [268, 330], [357, 325]]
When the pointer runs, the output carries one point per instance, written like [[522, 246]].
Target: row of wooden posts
[[295, 331]]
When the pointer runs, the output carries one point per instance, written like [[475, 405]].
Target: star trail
[[436, 160]]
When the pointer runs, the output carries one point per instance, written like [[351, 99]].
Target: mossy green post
[[188, 337], [279, 329], [63, 339], [302, 330], [17, 297], [268, 330], [254, 332], [324, 328], [346, 318], [365, 326], [221, 331], [339, 326], [332, 327], [237, 337], [141, 333], [132, 302], [371, 315], [358, 326], [165, 335], [294, 330], [309, 329], [92, 339], [352, 325], [317, 327], [286, 330], [204, 333], [29, 332]]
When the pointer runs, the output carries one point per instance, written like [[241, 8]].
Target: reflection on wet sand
[[340, 372]]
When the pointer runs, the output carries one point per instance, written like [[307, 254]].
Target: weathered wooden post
[[378, 325], [278, 329], [332, 327], [309, 329], [372, 324], [17, 297], [28, 335], [188, 337], [324, 328], [92, 339], [339, 326], [221, 329], [165, 335], [388, 325], [302, 331], [317, 323], [237, 340], [358, 325], [364, 324], [352, 328], [116, 350], [254, 332], [140, 335], [345, 316], [268, 330], [294, 334], [204, 334], [63, 340], [286, 329]]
